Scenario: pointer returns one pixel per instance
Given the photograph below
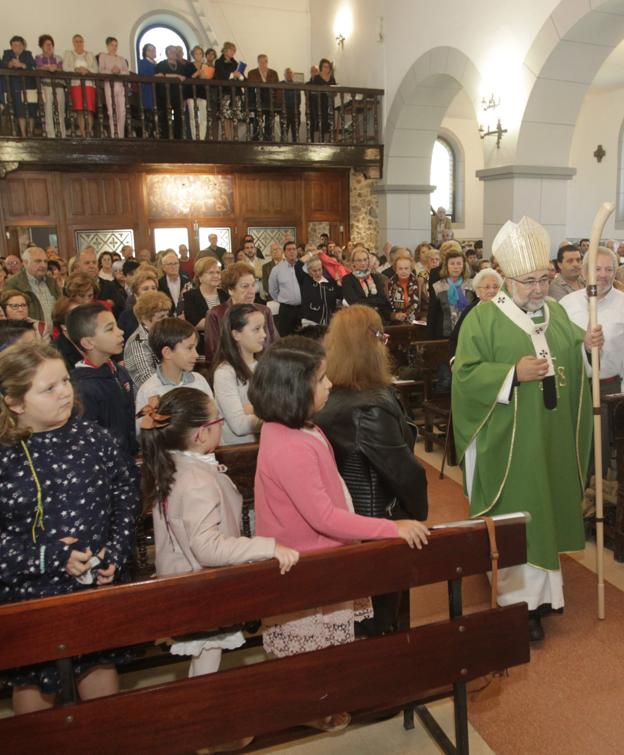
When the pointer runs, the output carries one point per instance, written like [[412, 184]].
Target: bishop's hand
[[531, 368]]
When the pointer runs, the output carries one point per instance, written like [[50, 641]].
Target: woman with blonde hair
[[144, 280], [362, 286], [369, 432], [138, 356], [81, 289], [206, 292], [420, 254]]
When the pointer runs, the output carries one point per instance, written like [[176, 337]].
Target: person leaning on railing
[[53, 92], [226, 68], [319, 103], [195, 96], [292, 105], [83, 62], [22, 90], [110, 62], [147, 67], [170, 68]]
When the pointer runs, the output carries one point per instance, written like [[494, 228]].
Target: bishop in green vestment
[[521, 406]]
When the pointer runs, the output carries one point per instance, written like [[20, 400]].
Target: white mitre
[[522, 248]]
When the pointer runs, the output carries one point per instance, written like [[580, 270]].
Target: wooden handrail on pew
[[180, 717]]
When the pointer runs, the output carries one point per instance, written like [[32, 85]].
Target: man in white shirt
[[173, 282], [611, 317]]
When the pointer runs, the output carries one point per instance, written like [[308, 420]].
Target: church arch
[[567, 53], [168, 19], [418, 108]]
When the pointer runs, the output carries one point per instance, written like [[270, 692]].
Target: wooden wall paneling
[[273, 196], [107, 200], [39, 197], [65, 241], [74, 196], [327, 196], [17, 204], [28, 199], [142, 237]]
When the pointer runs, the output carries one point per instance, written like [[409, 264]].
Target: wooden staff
[[592, 296]]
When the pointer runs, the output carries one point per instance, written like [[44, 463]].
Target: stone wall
[[314, 231], [364, 211]]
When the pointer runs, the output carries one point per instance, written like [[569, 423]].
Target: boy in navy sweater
[[105, 388]]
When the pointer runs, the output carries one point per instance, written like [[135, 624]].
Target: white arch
[[567, 53], [417, 110], [172, 18]]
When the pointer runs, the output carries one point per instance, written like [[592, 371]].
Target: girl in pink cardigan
[[196, 507], [300, 498]]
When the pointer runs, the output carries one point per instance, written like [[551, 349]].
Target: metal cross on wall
[[599, 153]]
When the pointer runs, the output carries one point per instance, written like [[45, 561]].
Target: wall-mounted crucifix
[[599, 153]]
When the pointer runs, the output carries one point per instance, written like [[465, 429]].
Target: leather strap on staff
[[491, 530]]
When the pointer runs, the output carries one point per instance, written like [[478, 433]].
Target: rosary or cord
[[38, 522]]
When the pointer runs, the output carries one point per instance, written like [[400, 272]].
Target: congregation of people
[[187, 106], [118, 356]]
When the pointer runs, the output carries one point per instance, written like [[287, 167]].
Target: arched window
[[443, 167], [161, 36]]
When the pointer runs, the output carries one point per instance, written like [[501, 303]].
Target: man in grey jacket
[[34, 281]]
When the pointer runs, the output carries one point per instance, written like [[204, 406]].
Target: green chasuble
[[528, 458]]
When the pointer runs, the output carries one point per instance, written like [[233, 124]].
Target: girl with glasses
[[196, 507]]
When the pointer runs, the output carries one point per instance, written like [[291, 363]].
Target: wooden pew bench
[[273, 699]]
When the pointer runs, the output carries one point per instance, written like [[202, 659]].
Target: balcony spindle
[[128, 120], [306, 97], [41, 108], [99, 105], [168, 110]]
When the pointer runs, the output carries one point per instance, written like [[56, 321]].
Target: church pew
[[614, 520], [401, 338], [397, 670]]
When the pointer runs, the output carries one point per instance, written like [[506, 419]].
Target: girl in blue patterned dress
[[66, 495]]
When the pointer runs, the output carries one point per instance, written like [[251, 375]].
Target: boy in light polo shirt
[[174, 343]]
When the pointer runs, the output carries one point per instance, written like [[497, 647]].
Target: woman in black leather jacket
[[368, 430]]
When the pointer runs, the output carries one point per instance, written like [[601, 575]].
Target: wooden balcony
[[46, 123]]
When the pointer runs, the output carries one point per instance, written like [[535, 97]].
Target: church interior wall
[[599, 122], [279, 28]]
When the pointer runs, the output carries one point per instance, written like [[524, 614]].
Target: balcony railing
[[43, 105]]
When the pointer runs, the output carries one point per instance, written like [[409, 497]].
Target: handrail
[[296, 86]]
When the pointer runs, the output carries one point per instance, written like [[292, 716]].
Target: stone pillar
[[512, 191], [404, 214], [364, 210]]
